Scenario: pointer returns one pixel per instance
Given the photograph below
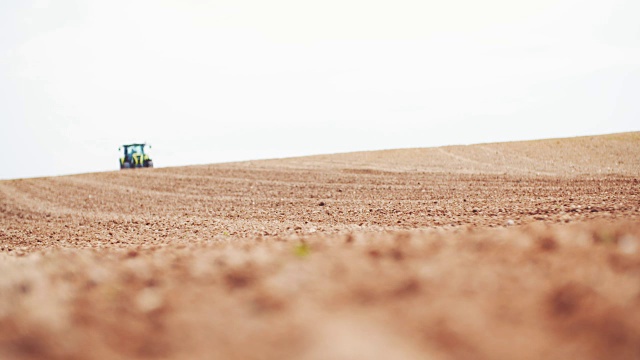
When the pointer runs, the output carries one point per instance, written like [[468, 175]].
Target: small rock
[[149, 300], [628, 244], [510, 222]]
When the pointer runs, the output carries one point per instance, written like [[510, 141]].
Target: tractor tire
[[126, 165], [149, 164]]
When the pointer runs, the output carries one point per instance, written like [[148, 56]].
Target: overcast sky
[[216, 81]]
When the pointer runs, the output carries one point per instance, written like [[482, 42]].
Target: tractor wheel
[[126, 165], [149, 164]]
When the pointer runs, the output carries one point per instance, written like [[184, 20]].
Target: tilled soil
[[496, 251]]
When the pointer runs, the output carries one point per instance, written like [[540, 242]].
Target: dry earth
[[522, 250]]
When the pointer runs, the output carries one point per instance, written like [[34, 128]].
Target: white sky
[[215, 81]]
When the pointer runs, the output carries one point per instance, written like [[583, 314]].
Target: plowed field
[[524, 250]]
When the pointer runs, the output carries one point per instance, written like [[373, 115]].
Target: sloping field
[[522, 250]]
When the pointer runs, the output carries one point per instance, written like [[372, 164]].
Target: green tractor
[[135, 157]]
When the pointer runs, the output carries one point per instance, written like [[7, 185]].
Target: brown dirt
[[518, 250]]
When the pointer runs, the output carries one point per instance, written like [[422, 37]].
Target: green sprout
[[302, 250]]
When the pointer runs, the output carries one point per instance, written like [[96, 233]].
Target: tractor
[[135, 157]]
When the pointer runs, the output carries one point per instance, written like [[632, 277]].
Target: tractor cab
[[135, 156]]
